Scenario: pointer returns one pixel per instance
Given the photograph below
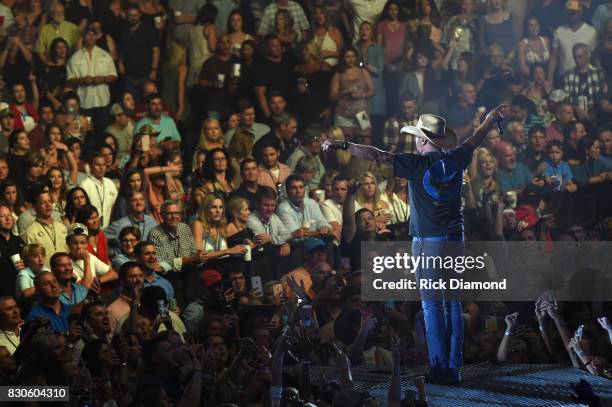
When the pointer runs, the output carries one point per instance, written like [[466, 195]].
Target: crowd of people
[[172, 232]]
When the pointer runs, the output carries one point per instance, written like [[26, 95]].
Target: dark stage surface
[[488, 385]]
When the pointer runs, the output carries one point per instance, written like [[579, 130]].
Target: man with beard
[[146, 256], [513, 175], [136, 217], [314, 254], [132, 283], [210, 302]]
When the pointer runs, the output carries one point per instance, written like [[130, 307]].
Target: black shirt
[[137, 49], [275, 76], [433, 215], [528, 158], [8, 272], [218, 98], [460, 116], [246, 194]]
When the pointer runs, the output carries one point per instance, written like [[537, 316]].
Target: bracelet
[[345, 145], [508, 333], [580, 353], [588, 363]]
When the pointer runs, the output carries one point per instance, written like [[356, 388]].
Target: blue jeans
[[441, 309]]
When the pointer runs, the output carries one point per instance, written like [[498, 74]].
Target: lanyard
[[137, 223], [52, 236], [101, 196], [9, 339]]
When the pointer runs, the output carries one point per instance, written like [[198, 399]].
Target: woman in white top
[[395, 193], [234, 29], [34, 260], [326, 41], [209, 229], [533, 48], [203, 42]]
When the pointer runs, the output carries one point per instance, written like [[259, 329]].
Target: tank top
[[326, 43], [198, 53], [532, 56], [348, 106]]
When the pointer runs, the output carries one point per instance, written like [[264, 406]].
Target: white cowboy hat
[[434, 129]]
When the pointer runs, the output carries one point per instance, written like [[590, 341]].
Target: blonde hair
[[33, 249], [203, 214], [234, 206], [202, 144], [336, 133], [241, 145], [360, 198], [481, 154], [176, 54]]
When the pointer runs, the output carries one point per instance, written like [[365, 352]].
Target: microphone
[[498, 123]]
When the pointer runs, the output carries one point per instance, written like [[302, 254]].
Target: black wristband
[[345, 145]]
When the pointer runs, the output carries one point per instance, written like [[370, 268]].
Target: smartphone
[[146, 142], [579, 332], [257, 285]]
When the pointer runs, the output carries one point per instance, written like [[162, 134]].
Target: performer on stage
[[436, 176]]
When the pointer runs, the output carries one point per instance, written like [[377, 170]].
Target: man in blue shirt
[[435, 176], [169, 136], [513, 175], [136, 216], [49, 304], [146, 255], [72, 293]]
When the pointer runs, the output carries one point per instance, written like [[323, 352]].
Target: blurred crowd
[[172, 232]]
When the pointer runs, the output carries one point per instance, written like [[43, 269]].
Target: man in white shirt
[[85, 265], [566, 36], [10, 320], [101, 191], [7, 15], [91, 69], [332, 208]]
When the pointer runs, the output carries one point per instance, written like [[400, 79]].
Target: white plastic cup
[[221, 77], [308, 224], [556, 182], [482, 109], [247, 254], [320, 195], [15, 258], [236, 70]]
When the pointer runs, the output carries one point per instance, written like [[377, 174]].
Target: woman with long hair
[[240, 147], [246, 82], [133, 180], [326, 40], [284, 29], [238, 215], [34, 165], [54, 146], [57, 190], [483, 182], [498, 27], [75, 198], [203, 42], [235, 31], [590, 170], [174, 185], [209, 230], [368, 196], [372, 59], [395, 192], [351, 87], [391, 35], [423, 81], [52, 74], [539, 88], [533, 48], [96, 242], [37, 16], [11, 196], [174, 78], [218, 173], [211, 135]]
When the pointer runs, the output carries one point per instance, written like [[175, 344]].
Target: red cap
[[210, 277]]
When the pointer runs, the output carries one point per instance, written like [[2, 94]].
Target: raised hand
[[605, 323], [511, 321]]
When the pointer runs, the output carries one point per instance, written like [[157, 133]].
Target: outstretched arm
[[481, 132], [361, 151]]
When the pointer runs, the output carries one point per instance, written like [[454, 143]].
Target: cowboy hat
[[148, 130], [433, 128]]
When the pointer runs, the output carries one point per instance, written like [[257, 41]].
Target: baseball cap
[[211, 277], [5, 113], [116, 109], [76, 229], [312, 244]]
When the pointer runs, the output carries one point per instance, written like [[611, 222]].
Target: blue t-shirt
[[59, 322], [520, 178], [433, 213]]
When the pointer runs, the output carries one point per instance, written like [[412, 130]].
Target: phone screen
[[257, 285]]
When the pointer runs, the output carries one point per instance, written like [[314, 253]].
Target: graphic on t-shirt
[[443, 180]]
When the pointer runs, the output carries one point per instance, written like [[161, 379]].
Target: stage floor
[[488, 385]]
